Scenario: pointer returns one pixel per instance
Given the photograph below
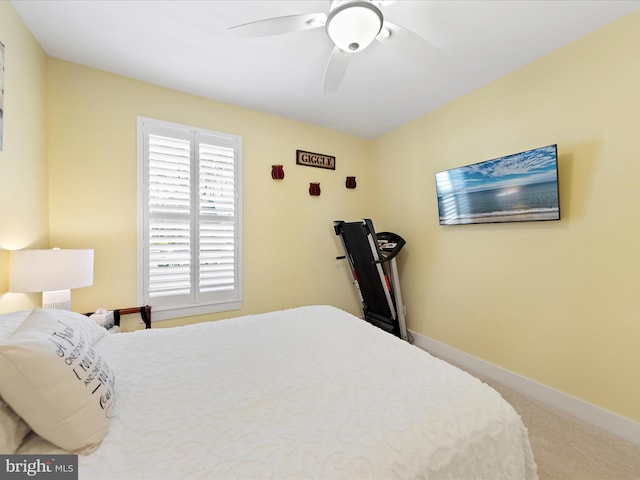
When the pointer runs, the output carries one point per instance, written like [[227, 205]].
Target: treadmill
[[372, 262]]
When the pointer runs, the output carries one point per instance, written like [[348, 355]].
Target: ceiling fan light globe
[[353, 26]]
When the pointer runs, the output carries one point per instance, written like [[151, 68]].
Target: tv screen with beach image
[[522, 187]]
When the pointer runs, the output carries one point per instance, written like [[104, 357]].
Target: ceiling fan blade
[[412, 46], [336, 68], [280, 25]]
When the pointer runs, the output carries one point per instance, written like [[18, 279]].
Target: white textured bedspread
[[311, 392]]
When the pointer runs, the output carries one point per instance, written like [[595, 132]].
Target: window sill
[[167, 313]]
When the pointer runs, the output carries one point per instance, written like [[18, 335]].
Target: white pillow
[[12, 429], [53, 378]]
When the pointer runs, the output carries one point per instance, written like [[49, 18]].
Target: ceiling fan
[[352, 25]]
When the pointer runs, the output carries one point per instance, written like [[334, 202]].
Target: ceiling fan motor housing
[[352, 26]]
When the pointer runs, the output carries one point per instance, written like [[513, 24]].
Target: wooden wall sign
[[311, 159]]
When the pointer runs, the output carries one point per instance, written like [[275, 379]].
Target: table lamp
[[53, 272]]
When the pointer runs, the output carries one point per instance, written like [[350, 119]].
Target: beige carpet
[[568, 449]]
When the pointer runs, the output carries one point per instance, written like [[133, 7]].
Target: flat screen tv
[[522, 187]]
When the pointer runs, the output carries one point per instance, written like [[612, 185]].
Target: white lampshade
[[52, 270], [353, 26]]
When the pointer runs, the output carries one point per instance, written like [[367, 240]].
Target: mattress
[[310, 392]]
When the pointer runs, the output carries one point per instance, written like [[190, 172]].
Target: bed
[[309, 392]]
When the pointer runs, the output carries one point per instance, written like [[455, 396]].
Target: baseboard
[[587, 412]]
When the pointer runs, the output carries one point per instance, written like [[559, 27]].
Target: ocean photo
[[516, 188]]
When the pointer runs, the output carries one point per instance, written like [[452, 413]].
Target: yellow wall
[[23, 161], [556, 302], [289, 247]]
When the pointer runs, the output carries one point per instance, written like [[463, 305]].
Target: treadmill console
[[390, 243]]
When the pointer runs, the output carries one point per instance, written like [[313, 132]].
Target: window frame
[[230, 302]]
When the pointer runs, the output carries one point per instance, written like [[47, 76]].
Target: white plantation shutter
[[190, 213], [169, 217], [217, 215]]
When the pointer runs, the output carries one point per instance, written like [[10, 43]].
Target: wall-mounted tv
[[522, 187]]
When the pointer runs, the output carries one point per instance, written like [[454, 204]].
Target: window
[[189, 254]]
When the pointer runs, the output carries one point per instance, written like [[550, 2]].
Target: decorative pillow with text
[[12, 429], [91, 329], [54, 379]]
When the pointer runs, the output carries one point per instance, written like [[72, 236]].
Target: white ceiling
[[185, 45]]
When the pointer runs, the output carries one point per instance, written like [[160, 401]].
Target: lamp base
[[57, 300]]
